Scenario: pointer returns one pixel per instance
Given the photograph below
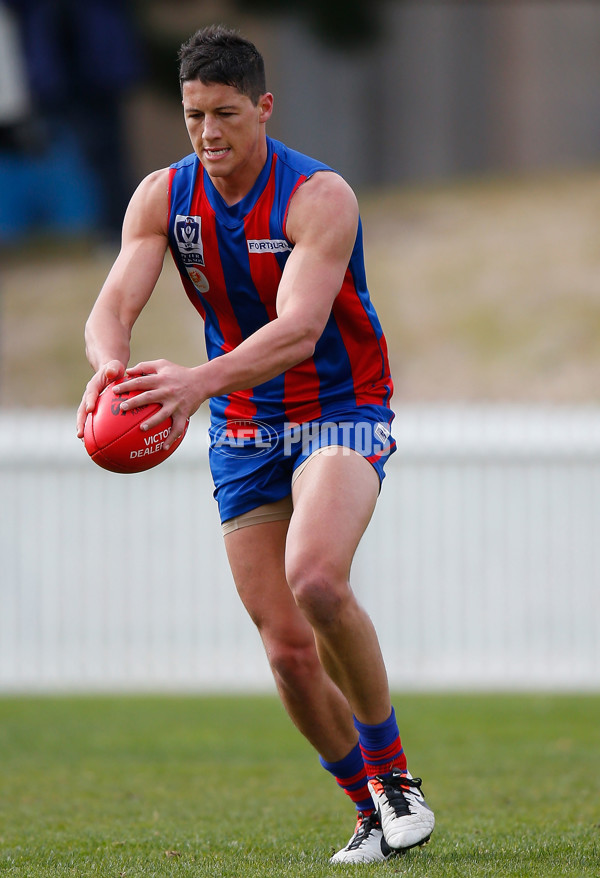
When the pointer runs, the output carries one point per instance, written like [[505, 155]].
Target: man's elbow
[[306, 341]]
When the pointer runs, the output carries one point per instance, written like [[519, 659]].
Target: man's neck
[[233, 188]]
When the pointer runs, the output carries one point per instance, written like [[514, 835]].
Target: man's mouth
[[212, 153]]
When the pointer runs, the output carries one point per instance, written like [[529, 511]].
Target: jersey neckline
[[232, 215]]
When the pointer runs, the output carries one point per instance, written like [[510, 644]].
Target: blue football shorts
[[253, 462]]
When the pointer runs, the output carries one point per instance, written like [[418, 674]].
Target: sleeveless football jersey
[[231, 259]]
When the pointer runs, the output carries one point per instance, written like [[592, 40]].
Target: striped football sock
[[381, 746], [351, 776]]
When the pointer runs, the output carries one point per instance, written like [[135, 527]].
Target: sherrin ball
[[114, 440]]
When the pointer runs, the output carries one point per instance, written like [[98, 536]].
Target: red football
[[113, 438]]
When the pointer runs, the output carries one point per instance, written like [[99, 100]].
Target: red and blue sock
[[380, 746], [351, 776]]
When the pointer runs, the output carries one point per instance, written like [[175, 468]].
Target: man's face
[[227, 131]]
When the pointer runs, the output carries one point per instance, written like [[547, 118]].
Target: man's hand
[[175, 388], [111, 371]]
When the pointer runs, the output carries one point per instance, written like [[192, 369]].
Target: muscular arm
[[322, 223], [128, 287]]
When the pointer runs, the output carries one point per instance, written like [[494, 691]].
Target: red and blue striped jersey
[[231, 260]]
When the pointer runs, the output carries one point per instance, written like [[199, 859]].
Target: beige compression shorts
[[281, 510]]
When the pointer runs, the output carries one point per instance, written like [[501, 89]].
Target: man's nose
[[212, 129]]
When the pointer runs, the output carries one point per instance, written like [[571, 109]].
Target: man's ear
[[265, 105]]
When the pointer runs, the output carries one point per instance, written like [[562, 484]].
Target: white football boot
[[405, 817], [367, 845]]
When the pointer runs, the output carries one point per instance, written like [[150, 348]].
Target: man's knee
[[293, 663], [320, 590]]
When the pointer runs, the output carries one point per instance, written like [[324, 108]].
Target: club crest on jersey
[[199, 280], [189, 239]]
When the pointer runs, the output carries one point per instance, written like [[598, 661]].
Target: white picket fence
[[480, 569]]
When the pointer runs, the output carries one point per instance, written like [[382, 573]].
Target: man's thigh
[[256, 556], [334, 499]]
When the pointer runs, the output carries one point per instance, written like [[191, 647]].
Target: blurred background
[[471, 134]]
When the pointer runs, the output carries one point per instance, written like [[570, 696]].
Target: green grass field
[[211, 786]]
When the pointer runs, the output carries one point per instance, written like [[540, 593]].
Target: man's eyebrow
[[215, 109]]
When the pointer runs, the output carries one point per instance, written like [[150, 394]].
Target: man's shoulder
[[187, 161], [296, 161]]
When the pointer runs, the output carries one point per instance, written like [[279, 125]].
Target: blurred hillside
[[488, 291]]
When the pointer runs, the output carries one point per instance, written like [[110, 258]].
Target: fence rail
[[481, 567]]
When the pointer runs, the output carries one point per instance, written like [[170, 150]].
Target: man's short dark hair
[[216, 54]]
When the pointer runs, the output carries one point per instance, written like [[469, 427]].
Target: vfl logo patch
[[266, 245], [189, 239]]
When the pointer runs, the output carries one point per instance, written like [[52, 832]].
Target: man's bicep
[[310, 283], [323, 222]]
